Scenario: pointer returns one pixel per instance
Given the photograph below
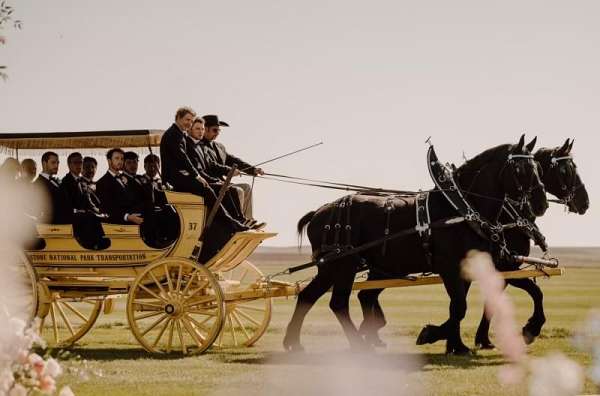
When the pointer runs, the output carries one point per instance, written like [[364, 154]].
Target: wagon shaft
[[284, 289]]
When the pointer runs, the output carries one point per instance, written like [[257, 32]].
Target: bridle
[[569, 196], [525, 196]]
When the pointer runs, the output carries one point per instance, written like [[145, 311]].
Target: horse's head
[[521, 179], [561, 178]]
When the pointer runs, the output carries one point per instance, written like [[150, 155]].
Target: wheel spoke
[[170, 341], [199, 300], [154, 324], [248, 317], [250, 308], [169, 282], [162, 291], [152, 293], [195, 291], [199, 325], [179, 274], [189, 283], [192, 332], [232, 330], [148, 315], [160, 334], [64, 317], [180, 333], [222, 333], [239, 323], [202, 312], [75, 311], [54, 327], [150, 304]]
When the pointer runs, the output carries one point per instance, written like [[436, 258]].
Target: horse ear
[[564, 147], [521, 143], [531, 144], [571, 146]]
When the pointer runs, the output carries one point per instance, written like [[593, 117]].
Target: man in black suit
[[47, 184], [112, 191], [135, 184], [70, 188], [154, 188], [222, 161], [179, 171], [232, 199]]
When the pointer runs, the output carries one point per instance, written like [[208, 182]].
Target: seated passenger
[[89, 171], [135, 186], [112, 191], [69, 186], [10, 170], [28, 170], [48, 184], [232, 199], [161, 223], [223, 160], [179, 171], [155, 190]]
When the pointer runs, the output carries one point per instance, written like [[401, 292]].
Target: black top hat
[[211, 120]]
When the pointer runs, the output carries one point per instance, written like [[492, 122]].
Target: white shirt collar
[[113, 173], [45, 175]]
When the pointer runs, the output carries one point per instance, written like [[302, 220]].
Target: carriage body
[[70, 286]]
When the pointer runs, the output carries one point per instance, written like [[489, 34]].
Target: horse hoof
[[528, 337], [462, 350], [485, 345], [428, 335], [375, 341], [292, 347]]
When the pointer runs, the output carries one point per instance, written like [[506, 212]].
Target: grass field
[[116, 364]]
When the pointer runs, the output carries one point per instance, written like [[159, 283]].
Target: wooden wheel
[[175, 305], [66, 319], [246, 320], [19, 288]]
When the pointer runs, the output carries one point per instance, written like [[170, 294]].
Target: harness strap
[[388, 207]]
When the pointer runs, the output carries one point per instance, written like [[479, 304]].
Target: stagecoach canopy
[[78, 140]]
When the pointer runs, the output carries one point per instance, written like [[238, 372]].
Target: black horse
[[490, 177], [561, 179]]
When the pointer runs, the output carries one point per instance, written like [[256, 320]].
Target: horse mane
[[544, 152], [493, 154]]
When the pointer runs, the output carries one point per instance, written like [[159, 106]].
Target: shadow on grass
[[390, 361], [108, 354]]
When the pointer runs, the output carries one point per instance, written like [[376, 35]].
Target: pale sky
[[372, 80]]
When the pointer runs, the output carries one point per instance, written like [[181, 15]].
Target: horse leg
[[373, 316], [339, 303], [482, 337], [457, 290], [534, 325], [306, 299]]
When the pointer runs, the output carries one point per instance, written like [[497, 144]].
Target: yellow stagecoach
[[174, 302]]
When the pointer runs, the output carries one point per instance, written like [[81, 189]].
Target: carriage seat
[[69, 231]]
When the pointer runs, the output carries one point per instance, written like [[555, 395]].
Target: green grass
[[116, 364]]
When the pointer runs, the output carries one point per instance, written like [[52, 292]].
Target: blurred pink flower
[[478, 266], [18, 390], [555, 375], [2, 40], [47, 385], [53, 369], [37, 363], [66, 391]]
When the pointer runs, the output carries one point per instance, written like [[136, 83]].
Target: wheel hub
[[173, 308]]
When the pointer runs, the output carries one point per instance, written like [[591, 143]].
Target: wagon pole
[[213, 213]]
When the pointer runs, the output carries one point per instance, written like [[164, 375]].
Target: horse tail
[[303, 223]]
